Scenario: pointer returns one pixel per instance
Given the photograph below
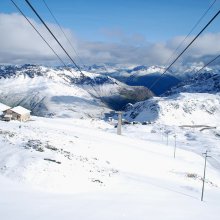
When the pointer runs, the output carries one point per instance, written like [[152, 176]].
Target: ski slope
[[80, 169]]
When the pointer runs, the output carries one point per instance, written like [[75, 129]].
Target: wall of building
[[24, 117]]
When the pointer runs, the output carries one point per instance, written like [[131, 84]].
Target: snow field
[[80, 169], [179, 109]]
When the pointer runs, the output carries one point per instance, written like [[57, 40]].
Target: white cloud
[[19, 44]]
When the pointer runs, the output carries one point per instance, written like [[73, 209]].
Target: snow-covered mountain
[[207, 81], [56, 91], [179, 109], [142, 75], [194, 101], [146, 75]]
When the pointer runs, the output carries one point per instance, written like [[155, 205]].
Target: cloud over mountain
[[20, 44]]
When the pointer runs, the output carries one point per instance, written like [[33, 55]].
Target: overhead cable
[[29, 4], [22, 13], [156, 81], [61, 29], [193, 28]]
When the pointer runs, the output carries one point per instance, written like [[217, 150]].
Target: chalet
[[17, 113]]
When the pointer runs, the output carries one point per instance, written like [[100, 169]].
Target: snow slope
[[178, 109], [45, 97], [195, 115], [80, 169]]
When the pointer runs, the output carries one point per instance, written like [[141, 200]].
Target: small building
[[17, 113]]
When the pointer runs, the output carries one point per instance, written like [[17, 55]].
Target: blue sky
[[156, 20], [113, 25]]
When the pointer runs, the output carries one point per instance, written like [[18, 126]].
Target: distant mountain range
[[173, 79], [145, 75], [59, 92], [55, 91], [138, 76]]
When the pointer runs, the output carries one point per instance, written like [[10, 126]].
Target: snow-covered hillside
[[49, 95], [195, 101], [62, 168], [207, 81], [56, 91], [179, 109]]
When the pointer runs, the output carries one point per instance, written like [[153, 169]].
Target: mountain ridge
[[44, 90]]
